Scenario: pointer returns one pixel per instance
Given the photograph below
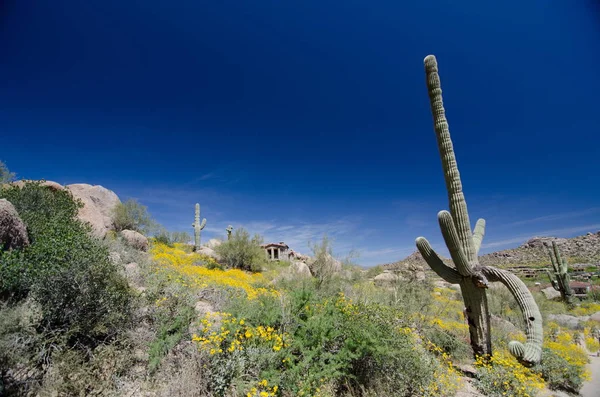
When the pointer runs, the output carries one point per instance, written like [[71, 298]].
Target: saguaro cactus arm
[[436, 264], [531, 352], [478, 234], [452, 240], [553, 281]]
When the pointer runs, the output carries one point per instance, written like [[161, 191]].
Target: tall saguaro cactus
[[562, 281], [198, 226], [464, 246]]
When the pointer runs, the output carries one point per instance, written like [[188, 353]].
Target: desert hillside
[[583, 249]]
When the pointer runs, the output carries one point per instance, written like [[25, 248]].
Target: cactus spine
[[228, 230], [198, 226], [561, 281], [464, 246]]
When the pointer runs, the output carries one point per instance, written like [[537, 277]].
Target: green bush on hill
[[242, 252], [82, 297], [131, 215], [5, 175]]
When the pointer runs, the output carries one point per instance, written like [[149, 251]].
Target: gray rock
[[595, 317], [386, 279], [300, 269], [420, 276], [209, 252], [114, 257], [98, 206], [13, 232], [539, 242], [135, 239], [550, 293], [568, 321], [203, 307], [213, 243]]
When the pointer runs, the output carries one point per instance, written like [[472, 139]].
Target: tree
[[242, 252], [132, 215], [181, 237], [5, 175], [323, 266]]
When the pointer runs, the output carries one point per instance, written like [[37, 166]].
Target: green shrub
[[242, 252], [82, 296], [75, 373], [132, 215], [451, 343], [559, 374], [374, 271], [5, 175], [163, 237], [308, 342], [502, 375], [173, 320], [323, 265], [181, 237]]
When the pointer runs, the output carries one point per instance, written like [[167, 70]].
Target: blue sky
[[298, 118]]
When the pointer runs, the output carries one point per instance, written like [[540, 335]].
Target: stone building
[[276, 251]]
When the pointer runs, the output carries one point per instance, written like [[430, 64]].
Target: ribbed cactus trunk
[[198, 226], [464, 246], [562, 280]]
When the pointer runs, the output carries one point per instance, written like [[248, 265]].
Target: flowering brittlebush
[[586, 309], [186, 269], [503, 375], [565, 347], [446, 377], [221, 333]]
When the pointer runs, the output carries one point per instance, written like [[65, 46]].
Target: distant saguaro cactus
[[561, 281], [198, 226], [464, 246], [229, 230]]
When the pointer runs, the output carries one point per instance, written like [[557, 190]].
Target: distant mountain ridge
[[580, 249]]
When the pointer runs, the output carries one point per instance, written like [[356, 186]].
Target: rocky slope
[[580, 249]]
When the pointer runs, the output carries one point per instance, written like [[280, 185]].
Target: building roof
[[280, 244], [579, 284]]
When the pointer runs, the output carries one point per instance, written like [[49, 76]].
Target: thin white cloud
[[554, 217], [209, 175], [397, 253], [552, 232]]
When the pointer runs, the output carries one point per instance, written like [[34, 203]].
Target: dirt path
[[592, 388]]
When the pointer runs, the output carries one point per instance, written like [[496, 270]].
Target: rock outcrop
[[581, 248], [209, 252], [412, 267], [568, 321], [13, 232], [98, 206], [300, 269], [550, 293], [135, 239], [50, 184], [386, 279], [213, 243], [533, 252]]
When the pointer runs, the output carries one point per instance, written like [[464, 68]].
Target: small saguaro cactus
[[561, 280], [198, 226], [229, 230], [464, 246]]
